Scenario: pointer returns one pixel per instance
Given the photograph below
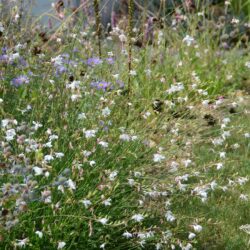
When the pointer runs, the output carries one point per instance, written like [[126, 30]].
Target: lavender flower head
[[102, 85], [94, 61], [4, 59], [110, 60], [20, 80]]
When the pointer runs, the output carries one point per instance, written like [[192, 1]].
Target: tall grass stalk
[[130, 30], [241, 6], [98, 26]]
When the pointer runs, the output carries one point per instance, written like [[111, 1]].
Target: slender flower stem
[[98, 25], [130, 28]]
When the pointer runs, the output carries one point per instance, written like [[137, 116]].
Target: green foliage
[[241, 7], [78, 172]]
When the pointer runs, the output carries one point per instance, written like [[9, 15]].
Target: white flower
[[242, 180], [10, 134], [169, 216], [197, 228], [235, 21], [75, 97], [137, 174], [131, 182], [37, 125], [53, 137], [103, 221], [247, 64], [58, 61], [219, 166], [38, 171], [138, 217], [48, 145], [113, 175], [110, 54], [14, 56], [134, 137], [247, 135], [127, 235], [5, 122], [59, 155], [202, 192], [244, 197], [106, 112], [191, 236], [61, 245], [48, 158], [188, 40], [116, 76], [22, 243], [187, 247], [174, 166], [146, 115], [125, 137], [132, 73], [90, 133], [86, 203], [158, 246], [74, 85], [92, 163], [226, 134], [102, 246], [123, 38], [245, 228], [226, 120], [175, 88], [218, 141], [213, 185], [187, 162], [47, 200], [222, 154], [158, 157], [107, 202], [1, 27], [236, 146], [71, 184], [103, 144], [39, 233], [61, 188], [81, 116]]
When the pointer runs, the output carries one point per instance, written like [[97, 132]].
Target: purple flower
[[102, 85], [4, 50], [60, 70], [4, 59], [20, 80], [110, 60], [94, 61], [22, 62], [120, 84]]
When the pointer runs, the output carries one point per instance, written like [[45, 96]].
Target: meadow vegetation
[[134, 139]]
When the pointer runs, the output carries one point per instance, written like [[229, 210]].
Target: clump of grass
[[78, 173]]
